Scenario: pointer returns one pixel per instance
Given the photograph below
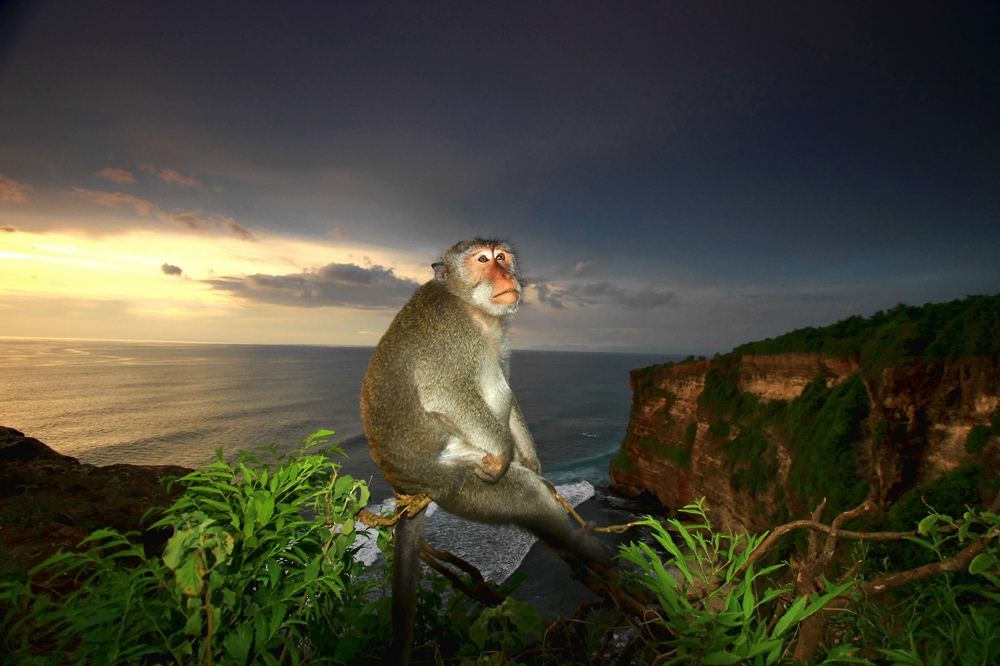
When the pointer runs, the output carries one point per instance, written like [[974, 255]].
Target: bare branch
[[960, 562]]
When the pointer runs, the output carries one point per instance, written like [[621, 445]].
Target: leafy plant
[[260, 569], [716, 606]]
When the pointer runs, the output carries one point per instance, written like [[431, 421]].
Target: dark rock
[[50, 501]]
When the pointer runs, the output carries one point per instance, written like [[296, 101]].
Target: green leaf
[[193, 625], [175, 548], [260, 626], [477, 632], [238, 643], [982, 562], [963, 531], [343, 485], [764, 646], [265, 509], [189, 574], [273, 571], [927, 523], [277, 618], [720, 659], [247, 529], [312, 570], [922, 542], [749, 602], [525, 617], [792, 616], [346, 649]]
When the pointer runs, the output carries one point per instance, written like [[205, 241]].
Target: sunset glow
[[675, 177]]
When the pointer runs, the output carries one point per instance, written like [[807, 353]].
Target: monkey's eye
[[483, 259], [500, 256]]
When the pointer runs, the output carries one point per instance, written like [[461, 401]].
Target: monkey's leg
[[405, 579], [523, 498]]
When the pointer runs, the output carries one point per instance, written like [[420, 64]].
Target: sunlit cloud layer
[[156, 284]]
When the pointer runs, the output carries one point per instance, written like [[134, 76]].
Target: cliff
[[765, 438], [50, 501]]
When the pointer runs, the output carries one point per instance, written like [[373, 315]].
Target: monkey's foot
[[616, 529], [493, 468], [412, 504], [409, 504]]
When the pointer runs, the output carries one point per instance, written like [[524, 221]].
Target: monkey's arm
[[480, 440], [523, 442]]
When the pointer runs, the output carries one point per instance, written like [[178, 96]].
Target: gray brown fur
[[441, 420]]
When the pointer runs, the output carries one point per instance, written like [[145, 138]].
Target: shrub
[[246, 578], [977, 440]]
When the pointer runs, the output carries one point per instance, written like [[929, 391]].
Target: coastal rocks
[[50, 501], [686, 441]]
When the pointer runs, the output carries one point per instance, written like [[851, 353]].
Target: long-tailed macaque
[[441, 420]]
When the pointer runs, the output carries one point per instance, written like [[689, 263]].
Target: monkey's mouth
[[506, 297]]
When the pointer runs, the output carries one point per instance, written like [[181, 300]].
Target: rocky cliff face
[[731, 430], [50, 501]]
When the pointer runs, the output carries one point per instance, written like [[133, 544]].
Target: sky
[[676, 177]]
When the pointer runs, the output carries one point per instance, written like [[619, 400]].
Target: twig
[[480, 591]]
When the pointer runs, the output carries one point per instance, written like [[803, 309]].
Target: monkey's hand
[[493, 468], [532, 463]]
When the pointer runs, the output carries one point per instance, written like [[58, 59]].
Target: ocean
[[150, 403]]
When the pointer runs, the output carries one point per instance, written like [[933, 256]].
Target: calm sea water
[[170, 403]]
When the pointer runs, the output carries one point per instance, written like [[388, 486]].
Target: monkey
[[441, 420]]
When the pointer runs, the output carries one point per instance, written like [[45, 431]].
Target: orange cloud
[[112, 199], [193, 220], [11, 190], [117, 175], [338, 234], [236, 229], [171, 176]]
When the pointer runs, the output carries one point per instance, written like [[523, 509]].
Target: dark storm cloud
[[170, 269], [341, 285], [606, 293]]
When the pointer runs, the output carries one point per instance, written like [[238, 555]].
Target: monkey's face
[[491, 271]]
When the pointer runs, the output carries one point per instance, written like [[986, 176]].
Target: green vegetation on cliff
[[822, 427], [966, 327]]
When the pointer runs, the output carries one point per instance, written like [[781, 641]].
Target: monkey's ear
[[440, 271]]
